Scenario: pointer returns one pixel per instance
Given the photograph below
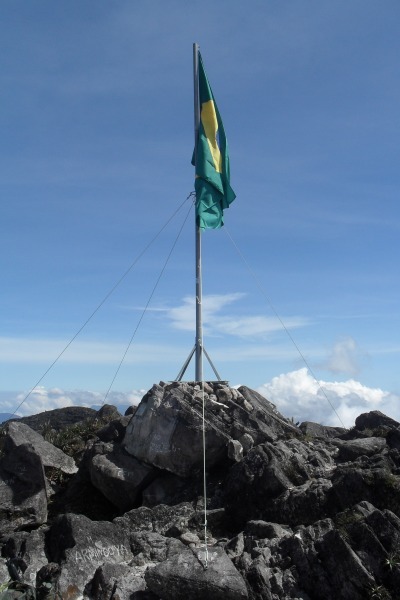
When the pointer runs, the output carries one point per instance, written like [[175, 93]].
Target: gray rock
[[166, 432], [375, 420], [277, 479], [188, 538], [108, 412], [184, 576], [393, 438], [263, 529], [47, 582], [149, 548], [117, 475], [306, 517], [167, 488], [114, 431], [25, 554], [115, 581], [80, 546], [23, 499], [268, 419], [350, 450], [159, 519], [166, 429], [17, 434], [247, 442], [313, 562], [356, 482], [320, 431], [235, 450], [235, 546]]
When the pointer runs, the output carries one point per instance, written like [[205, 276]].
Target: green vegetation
[[378, 592], [345, 520], [72, 439], [392, 561]]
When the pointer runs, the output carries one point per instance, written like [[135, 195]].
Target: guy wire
[[114, 287], [148, 303], [283, 325]]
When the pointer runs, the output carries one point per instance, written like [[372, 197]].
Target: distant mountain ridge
[[7, 416], [58, 418]]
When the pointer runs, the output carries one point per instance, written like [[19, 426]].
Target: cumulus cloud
[[345, 357], [297, 394], [182, 316], [217, 321], [42, 399]]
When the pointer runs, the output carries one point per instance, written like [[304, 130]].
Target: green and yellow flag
[[213, 190]]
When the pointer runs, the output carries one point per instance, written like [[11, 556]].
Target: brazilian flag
[[213, 190]]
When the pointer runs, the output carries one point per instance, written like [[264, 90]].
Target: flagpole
[[199, 299]]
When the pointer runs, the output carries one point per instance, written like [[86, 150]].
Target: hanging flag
[[213, 190]]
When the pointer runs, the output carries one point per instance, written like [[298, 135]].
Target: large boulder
[[17, 433], [117, 581], [115, 430], [363, 480], [80, 546], [166, 430], [23, 497], [375, 420], [188, 575], [119, 476], [310, 429], [350, 450], [286, 481]]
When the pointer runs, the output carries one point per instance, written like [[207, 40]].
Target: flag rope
[[204, 480]]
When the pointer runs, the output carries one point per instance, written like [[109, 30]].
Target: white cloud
[[182, 316], [297, 394], [43, 399], [216, 321], [345, 357]]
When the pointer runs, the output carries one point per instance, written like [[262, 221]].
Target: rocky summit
[[109, 507]]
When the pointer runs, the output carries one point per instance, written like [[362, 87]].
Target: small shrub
[[392, 560], [378, 592], [345, 520], [72, 439]]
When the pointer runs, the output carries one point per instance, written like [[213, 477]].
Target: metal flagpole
[[198, 349], [199, 324]]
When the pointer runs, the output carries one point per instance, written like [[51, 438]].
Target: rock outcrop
[[306, 512], [59, 418], [19, 434], [166, 430]]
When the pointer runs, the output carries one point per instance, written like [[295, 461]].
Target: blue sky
[[96, 140]]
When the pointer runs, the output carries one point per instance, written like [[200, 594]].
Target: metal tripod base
[[189, 358]]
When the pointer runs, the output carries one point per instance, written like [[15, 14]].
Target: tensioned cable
[[114, 287], [204, 479], [147, 303], [283, 324]]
